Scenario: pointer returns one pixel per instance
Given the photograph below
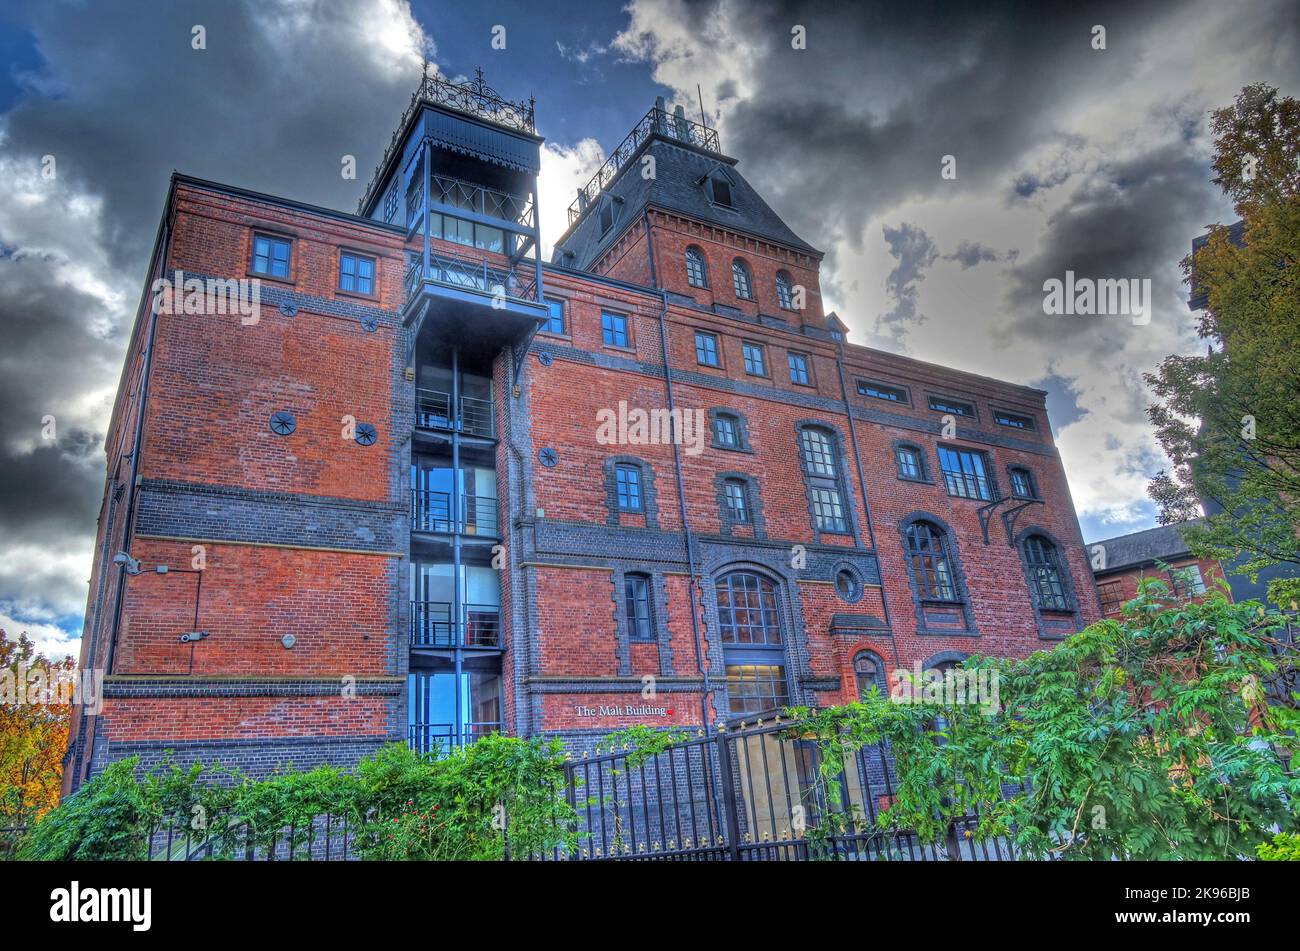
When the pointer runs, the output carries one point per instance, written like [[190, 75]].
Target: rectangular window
[[271, 256], [706, 349], [725, 432], [1112, 596], [637, 593], [942, 404], [628, 484], [965, 473], [737, 507], [828, 510], [909, 462], [390, 204], [613, 329], [755, 359], [356, 273], [756, 688], [1188, 581], [799, 372], [1022, 484], [883, 391], [1014, 420], [554, 316]]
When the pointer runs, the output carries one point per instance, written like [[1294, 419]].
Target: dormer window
[[720, 190], [606, 216]]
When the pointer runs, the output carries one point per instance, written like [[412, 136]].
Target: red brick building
[[434, 487], [1123, 562]]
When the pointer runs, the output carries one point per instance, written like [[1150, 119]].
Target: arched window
[[1045, 574], [697, 271], [752, 642], [869, 672], [740, 279], [927, 550], [821, 469], [784, 290]]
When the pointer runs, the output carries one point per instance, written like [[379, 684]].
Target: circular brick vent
[[283, 423], [366, 434]]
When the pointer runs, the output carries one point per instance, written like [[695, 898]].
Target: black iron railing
[[439, 738], [656, 121], [479, 198], [433, 411], [434, 512], [431, 625], [968, 485], [510, 282], [473, 97]]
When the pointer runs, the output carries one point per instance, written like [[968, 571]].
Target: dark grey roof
[[676, 187], [1162, 543]]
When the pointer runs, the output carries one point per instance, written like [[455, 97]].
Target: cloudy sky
[[1067, 158]]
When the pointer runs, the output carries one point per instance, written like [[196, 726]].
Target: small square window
[[721, 191], [1022, 484], [799, 372], [755, 359], [271, 256], [909, 463], [1112, 596], [554, 316], [356, 273], [613, 329], [726, 432], [706, 349]]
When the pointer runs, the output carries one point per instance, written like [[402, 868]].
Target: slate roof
[[1163, 543], [675, 187]]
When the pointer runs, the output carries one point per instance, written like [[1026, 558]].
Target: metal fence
[[749, 794]]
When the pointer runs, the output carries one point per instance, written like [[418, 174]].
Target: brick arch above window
[[821, 475], [1053, 623], [753, 501], [697, 266], [925, 474], [742, 279], [936, 614], [942, 658], [869, 671], [741, 426], [646, 485]]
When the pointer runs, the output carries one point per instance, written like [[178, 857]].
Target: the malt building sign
[[623, 710]]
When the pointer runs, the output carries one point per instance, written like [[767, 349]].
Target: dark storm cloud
[[860, 121], [278, 97], [912, 248]]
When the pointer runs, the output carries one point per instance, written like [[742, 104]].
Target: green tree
[[1230, 420], [1140, 738]]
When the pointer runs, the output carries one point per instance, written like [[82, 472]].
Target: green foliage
[[1230, 421], [1285, 847], [471, 805], [643, 742], [107, 819], [1131, 740]]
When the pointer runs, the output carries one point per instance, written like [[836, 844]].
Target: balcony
[[433, 512], [431, 625], [655, 122], [439, 738], [433, 410]]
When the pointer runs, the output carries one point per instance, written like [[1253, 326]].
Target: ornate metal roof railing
[[473, 97], [658, 121]]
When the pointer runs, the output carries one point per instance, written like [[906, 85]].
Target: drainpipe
[[129, 516], [681, 487], [862, 482]]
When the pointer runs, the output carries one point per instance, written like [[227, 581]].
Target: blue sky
[[1068, 157]]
